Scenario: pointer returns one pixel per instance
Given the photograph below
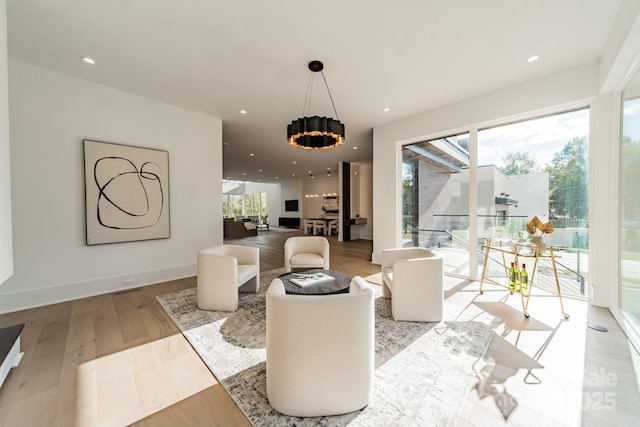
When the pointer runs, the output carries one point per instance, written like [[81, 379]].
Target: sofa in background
[[234, 228]]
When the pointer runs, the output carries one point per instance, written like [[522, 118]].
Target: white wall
[[6, 240], [312, 206], [365, 203], [290, 190], [51, 113]]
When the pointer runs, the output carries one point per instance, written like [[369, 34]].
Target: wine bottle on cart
[[512, 277]]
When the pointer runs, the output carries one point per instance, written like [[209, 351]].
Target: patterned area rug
[[423, 370]]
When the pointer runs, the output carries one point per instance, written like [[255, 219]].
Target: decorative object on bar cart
[[537, 229]]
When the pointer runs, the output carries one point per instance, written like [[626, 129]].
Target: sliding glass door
[[435, 193], [629, 204], [537, 167]]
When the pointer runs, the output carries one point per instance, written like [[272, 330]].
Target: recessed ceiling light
[[533, 58], [293, 174], [294, 162], [355, 148], [276, 177], [259, 170], [251, 154], [243, 111], [244, 173], [225, 143], [88, 60], [385, 109]]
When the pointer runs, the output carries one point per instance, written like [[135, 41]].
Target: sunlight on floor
[[534, 367], [375, 279], [127, 386]]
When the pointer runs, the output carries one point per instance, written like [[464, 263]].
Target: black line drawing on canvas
[[126, 193], [140, 211]]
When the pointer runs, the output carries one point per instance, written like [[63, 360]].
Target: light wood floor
[[117, 359]]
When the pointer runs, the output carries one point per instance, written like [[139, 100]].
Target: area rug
[[423, 371]]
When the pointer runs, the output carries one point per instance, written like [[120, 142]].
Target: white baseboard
[[376, 258], [40, 297]]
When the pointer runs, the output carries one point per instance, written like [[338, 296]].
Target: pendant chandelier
[[315, 133]]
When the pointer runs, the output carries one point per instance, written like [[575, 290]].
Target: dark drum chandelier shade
[[316, 133]]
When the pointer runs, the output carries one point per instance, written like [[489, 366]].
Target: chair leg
[[386, 292]]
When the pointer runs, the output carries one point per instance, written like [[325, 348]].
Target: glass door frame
[[472, 131], [630, 326]]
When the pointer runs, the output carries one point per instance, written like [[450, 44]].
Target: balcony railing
[[571, 264]]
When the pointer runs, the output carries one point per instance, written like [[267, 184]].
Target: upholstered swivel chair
[[320, 350], [413, 279], [306, 252], [222, 272]]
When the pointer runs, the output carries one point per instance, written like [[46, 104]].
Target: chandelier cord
[[307, 99], [330, 97]]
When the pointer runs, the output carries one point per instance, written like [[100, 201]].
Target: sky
[[631, 123], [541, 137]]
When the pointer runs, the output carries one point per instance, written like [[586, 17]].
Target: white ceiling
[[217, 57]]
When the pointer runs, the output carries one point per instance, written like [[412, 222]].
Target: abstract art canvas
[[126, 191]]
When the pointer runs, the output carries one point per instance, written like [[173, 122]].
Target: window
[[538, 167], [254, 204], [231, 205], [629, 204], [435, 198]]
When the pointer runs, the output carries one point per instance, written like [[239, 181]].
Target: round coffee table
[[338, 286]]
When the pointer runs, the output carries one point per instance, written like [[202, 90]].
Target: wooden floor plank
[[131, 325], [152, 316], [107, 330], [80, 348], [48, 353]]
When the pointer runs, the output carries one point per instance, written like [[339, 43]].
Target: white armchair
[[320, 350], [222, 272], [306, 252], [413, 279]]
